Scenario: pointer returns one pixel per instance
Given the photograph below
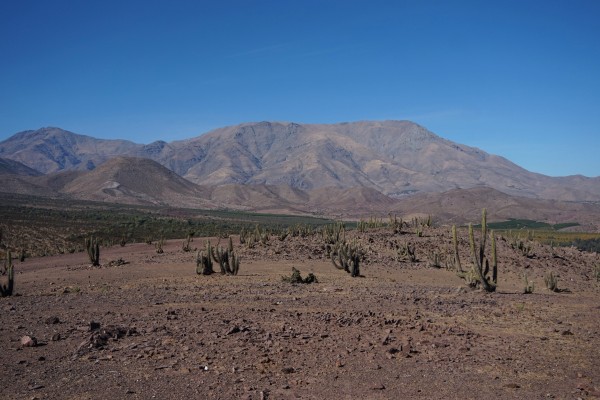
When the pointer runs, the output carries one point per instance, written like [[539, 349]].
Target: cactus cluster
[[347, 257], [8, 270], [158, 245], [481, 263], [334, 233], [93, 250], [372, 223], [301, 230], [229, 262], [396, 224], [252, 238], [407, 253], [529, 286], [204, 265], [186, 246], [551, 282], [435, 260]]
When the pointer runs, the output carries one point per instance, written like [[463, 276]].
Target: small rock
[[94, 326], [52, 320], [233, 330], [380, 386], [28, 341], [56, 337]]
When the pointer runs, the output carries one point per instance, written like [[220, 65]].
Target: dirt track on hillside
[[152, 328]]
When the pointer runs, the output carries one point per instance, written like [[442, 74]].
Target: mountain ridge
[[396, 158]]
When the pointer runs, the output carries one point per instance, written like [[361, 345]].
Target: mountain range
[[347, 168]]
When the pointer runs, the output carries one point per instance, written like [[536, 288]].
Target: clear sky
[[518, 78]]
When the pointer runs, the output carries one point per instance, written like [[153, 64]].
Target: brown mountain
[[53, 149], [396, 158], [132, 180]]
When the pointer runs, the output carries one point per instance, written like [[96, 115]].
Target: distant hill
[[54, 149], [133, 180], [464, 205]]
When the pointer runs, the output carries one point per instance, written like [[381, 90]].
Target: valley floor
[[152, 328]]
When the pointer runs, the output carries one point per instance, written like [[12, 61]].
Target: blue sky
[[519, 79]]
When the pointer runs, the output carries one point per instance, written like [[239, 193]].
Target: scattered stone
[[56, 337], [52, 320], [94, 325], [28, 341], [233, 330]]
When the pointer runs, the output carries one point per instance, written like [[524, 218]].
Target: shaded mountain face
[[396, 158], [8, 166]]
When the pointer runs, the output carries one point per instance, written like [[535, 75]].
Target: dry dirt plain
[[152, 328]]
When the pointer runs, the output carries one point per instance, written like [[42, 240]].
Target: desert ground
[[153, 328]]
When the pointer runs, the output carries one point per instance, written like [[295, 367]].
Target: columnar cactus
[[347, 257], [204, 265], [227, 259], [480, 261], [93, 250], [7, 290]]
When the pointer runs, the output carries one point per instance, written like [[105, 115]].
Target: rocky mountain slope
[[396, 158], [54, 149], [138, 181]]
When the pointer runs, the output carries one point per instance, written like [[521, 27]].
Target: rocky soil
[[152, 328]]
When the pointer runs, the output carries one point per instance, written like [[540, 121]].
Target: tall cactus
[[227, 259], [480, 261], [457, 265], [204, 265], [7, 290], [93, 250], [348, 258]]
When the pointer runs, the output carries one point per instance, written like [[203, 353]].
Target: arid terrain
[[153, 328]]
